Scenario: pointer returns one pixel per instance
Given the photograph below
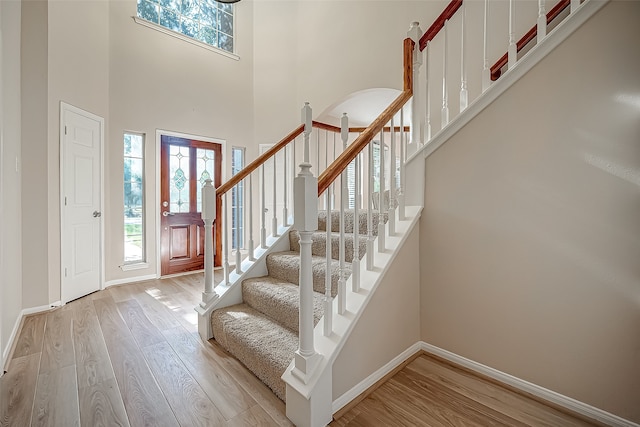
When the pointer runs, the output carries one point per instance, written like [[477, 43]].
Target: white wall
[[157, 81], [10, 204], [530, 235], [35, 150], [389, 324], [322, 51]]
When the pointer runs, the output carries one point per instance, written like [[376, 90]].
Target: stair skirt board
[[343, 403], [262, 331]]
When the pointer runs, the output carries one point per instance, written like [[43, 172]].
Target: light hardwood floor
[[428, 391], [131, 355]]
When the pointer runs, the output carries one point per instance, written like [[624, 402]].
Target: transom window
[[207, 21]]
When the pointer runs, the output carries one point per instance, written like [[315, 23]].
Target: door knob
[[167, 213], [96, 214]]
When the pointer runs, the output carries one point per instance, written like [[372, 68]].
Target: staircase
[[262, 331]]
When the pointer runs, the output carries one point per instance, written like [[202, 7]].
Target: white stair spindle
[[574, 5], [344, 192], [486, 71], [306, 359], [263, 212], [513, 48], [370, 209], [250, 243], [355, 262], [381, 206], [392, 181], [293, 170], [285, 211], [237, 239], [542, 21], [333, 190], [274, 220], [328, 298], [464, 93], [225, 242], [401, 206], [428, 95], [445, 92]]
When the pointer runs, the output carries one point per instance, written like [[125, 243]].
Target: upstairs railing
[[455, 48]]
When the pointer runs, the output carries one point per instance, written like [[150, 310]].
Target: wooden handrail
[[340, 164], [235, 179], [438, 24], [496, 69], [336, 129]]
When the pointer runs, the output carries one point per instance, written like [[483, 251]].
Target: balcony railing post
[[401, 203], [513, 48], [417, 118], [464, 93], [486, 71], [305, 193], [445, 91], [209, 296], [392, 181], [542, 21]]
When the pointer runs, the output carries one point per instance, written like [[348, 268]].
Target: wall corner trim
[[533, 389]]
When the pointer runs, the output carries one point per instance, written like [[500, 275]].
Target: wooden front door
[[185, 165]]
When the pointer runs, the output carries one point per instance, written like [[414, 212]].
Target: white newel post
[[542, 22], [417, 118], [209, 296], [306, 222]]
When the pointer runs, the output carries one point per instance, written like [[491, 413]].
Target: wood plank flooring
[[131, 356], [431, 392]]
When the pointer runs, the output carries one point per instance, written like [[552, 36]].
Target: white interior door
[[82, 135]]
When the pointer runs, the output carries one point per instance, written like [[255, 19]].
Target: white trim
[[188, 39], [156, 208], [7, 350], [129, 280], [508, 78], [533, 389], [134, 266], [68, 107], [17, 327], [364, 385]]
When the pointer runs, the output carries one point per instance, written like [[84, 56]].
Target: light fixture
[[227, 1]]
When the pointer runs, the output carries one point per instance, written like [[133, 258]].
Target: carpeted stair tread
[[286, 266], [318, 245], [349, 221], [264, 346], [279, 300]]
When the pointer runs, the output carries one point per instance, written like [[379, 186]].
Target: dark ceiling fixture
[[227, 1]]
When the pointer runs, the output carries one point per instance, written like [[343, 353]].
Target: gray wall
[[10, 182], [530, 237]]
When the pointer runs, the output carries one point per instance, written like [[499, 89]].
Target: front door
[[185, 165], [81, 213]]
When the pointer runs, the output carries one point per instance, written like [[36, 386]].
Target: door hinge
[[65, 272], [65, 129], [65, 200]]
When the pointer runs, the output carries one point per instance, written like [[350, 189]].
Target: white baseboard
[[360, 388], [6, 352], [541, 392], [129, 280]]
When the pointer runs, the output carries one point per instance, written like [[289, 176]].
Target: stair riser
[[286, 267], [318, 247], [349, 216]]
